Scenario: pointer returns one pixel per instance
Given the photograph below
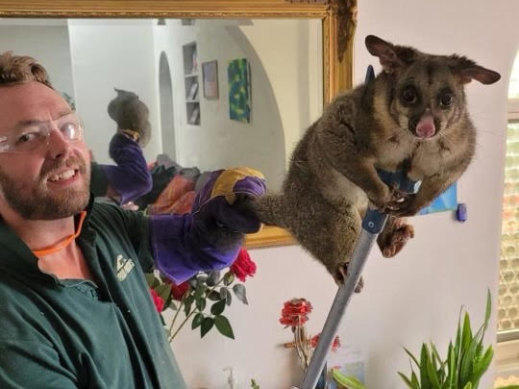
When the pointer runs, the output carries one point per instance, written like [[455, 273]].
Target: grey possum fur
[[130, 113], [412, 117]]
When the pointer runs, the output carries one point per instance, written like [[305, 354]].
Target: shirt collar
[[17, 258]]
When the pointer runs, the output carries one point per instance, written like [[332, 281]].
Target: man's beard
[[34, 201]]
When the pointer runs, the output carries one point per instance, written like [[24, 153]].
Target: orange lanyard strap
[[64, 243]]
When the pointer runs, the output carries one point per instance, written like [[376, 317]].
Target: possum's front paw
[[341, 273], [407, 205], [387, 198], [381, 198]]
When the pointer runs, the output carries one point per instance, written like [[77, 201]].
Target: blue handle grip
[[374, 220]]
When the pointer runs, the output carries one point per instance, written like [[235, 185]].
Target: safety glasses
[[34, 135]]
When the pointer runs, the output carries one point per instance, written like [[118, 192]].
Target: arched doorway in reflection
[[167, 117]]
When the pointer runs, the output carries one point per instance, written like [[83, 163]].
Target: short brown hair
[[17, 69]]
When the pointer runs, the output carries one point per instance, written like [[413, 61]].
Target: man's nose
[[57, 145]]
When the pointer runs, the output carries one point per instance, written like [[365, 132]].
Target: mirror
[[158, 50]]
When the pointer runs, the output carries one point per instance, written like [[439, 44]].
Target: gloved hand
[[219, 208], [130, 178], [211, 236]]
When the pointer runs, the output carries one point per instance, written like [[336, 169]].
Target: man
[[75, 310]]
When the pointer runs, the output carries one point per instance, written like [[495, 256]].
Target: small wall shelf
[[191, 83]]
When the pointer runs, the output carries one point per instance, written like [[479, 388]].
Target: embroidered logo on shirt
[[124, 267]]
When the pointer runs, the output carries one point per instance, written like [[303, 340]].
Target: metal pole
[[360, 255]]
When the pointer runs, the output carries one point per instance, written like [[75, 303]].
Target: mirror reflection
[[220, 93]]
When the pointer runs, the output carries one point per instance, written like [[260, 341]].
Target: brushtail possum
[[412, 117], [130, 114]]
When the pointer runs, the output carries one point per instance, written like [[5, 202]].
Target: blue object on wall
[[447, 201]]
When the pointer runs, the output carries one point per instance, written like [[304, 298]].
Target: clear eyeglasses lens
[[34, 136]]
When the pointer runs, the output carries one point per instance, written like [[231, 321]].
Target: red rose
[[243, 266], [157, 300], [335, 345], [178, 291], [295, 312]]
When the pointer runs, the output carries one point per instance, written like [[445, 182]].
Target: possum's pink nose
[[425, 127]]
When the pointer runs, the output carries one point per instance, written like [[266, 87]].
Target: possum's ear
[[392, 58], [385, 51], [468, 70]]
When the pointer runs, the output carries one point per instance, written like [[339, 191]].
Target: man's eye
[[27, 137]]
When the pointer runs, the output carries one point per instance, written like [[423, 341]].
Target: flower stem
[[172, 336]]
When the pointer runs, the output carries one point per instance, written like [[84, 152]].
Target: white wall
[[48, 44], [108, 54], [415, 297]]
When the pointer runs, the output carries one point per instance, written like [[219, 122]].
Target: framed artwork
[[238, 74], [447, 201], [210, 79]]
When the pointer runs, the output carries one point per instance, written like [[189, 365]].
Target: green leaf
[[424, 360], [214, 277], [412, 357], [163, 291], [468, 386], [240, 292], [214, 296], [151, 280], [482, 364], [407, 381], [228, 278], [451, 363], [414, 379], [200, 291], [197, 321], [228, 298], [218, 307], [488, 310], [200, 304], [205, 327], [172, 305], [188, 302], [467, 363], [223, 325], [466, 336], [432, 373], [346, 381], [224, 292]]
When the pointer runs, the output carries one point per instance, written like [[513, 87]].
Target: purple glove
[[131, 178], [211, 236]]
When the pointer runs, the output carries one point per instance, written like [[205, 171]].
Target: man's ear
[[392, 58]]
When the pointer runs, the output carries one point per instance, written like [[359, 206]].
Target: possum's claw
[[341, 273]]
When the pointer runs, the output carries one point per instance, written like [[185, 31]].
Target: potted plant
[[466, 362]]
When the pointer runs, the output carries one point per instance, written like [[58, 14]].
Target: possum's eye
[[409, 95], [446, 98]]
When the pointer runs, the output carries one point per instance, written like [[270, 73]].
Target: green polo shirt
[[68, 333]]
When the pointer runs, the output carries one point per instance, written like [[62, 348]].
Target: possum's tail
[[270, 209]]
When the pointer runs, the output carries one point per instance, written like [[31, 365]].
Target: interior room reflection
[[220, 93]]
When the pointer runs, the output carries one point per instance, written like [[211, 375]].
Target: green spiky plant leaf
[[466, 361]]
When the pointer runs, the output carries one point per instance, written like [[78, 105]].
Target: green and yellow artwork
[[239, 90]]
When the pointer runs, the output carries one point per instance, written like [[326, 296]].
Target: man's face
[[53, 181]]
